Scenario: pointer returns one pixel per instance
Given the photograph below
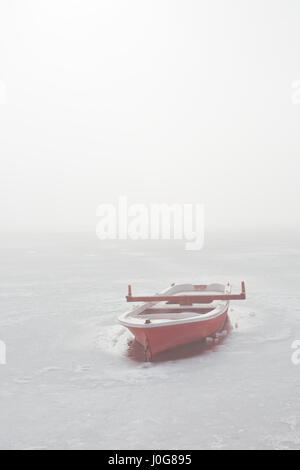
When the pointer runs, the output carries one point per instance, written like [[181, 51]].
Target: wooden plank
[[187, 299]]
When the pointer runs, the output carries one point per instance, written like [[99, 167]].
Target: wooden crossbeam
[[187, 299]]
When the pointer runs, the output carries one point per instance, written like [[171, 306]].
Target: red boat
[[182, 314]]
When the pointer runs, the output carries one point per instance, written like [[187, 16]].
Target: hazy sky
[[160, 100]]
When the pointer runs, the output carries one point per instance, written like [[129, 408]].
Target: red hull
[[158, 339]]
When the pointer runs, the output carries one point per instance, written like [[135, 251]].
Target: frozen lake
[[73, 382]]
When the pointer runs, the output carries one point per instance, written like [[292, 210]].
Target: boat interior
[[180, 303], [165, 311], [170, 310]]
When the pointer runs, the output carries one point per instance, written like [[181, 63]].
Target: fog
[[161, 101], [189, 103]]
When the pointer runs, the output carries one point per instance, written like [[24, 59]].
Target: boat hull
[[162, 338]]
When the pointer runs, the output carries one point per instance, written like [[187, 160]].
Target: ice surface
[[75, 380]]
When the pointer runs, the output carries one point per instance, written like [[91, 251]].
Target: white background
[[162, 101]]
